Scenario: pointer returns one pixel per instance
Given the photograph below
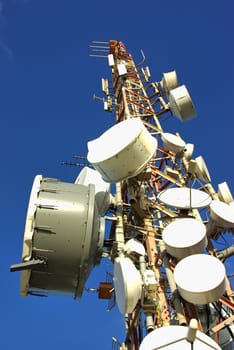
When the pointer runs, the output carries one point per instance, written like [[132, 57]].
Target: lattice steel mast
[[134, 96]]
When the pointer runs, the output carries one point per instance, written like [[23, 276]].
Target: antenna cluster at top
[[179, 102]]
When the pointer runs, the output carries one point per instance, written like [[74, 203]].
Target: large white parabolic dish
[[184, 237], [200, 278], [174, 338], [62, 226], [185, 198], [122, 151], [222, 214], [127, 283]]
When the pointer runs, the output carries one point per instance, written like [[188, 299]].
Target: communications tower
[[169, 279]]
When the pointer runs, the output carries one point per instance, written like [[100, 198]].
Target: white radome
[[200, 278], [174, 338], [123, 151]]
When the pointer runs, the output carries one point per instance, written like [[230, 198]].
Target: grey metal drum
[[62, 227]]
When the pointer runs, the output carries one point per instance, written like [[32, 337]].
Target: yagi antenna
[[73, 164], [99, 46], [76, 164]]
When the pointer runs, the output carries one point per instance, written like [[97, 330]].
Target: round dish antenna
[[185, 198], [64, 232], [188, 151], [122, 151], [177, 337], [127, 283], [201, 169], [181, 104], [173, 143], [134, 247], [184, 237], [89, 176], [224, 193], [222, 214], [200, 278], [169, 81]]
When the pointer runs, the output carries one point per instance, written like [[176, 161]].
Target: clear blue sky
[[47, 80]]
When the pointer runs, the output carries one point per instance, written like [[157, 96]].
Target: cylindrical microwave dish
[[184, 237], [67, 232], [122, 151], [188, 151], [174, 338], [201, 169], [181, 104], [224, 193], [169, 81], [200, 278], [89, 176], [173, 143], [222, 213]]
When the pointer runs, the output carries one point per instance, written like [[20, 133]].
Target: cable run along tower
[[169, 280]]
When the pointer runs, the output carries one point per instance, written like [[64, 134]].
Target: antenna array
[[166, 219]]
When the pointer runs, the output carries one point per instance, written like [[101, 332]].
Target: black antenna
[[72, 163], [68, 163]]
